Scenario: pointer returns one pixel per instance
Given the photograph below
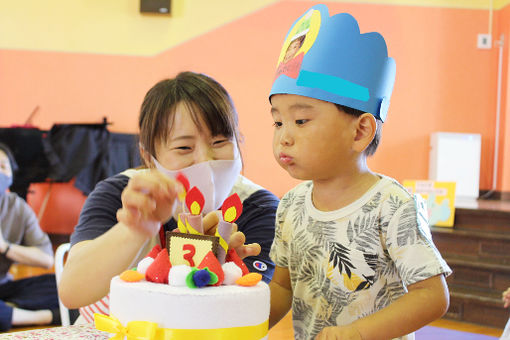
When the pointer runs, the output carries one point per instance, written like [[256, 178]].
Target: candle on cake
[[195, 203], [231, 210], [181, 218]]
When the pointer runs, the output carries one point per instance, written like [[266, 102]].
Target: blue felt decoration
[[201, 278]]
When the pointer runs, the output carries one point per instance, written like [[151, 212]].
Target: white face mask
[[215, 179]]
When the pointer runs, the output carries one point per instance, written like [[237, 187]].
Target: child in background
[[353, 251], [31, 300]]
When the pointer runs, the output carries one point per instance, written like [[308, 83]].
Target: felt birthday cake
[[194, 288]]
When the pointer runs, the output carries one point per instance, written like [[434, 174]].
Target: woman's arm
[[91, 265], [147, 201]]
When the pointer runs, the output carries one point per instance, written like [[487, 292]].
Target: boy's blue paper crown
[[327, 58]]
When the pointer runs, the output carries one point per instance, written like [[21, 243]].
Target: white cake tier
[[185, 308]]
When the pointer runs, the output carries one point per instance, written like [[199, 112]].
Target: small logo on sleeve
[[260, 266]]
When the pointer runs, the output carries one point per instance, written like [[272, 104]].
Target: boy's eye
[[277, 124], [301, 121]]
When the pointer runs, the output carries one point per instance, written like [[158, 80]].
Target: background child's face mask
[[215, 179], [5, 183]]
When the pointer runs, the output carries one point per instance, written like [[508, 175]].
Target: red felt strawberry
[[158, 270], [211, 262], [233, 257], [154, 252]]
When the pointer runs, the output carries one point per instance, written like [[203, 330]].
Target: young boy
[[353, 252]]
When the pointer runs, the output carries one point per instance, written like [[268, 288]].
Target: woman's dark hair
[[10, 156], [372, 147], [205, 98]]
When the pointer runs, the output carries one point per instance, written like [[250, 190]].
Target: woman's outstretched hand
[[237, 238], [148, 201]]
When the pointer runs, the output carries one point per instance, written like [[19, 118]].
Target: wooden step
[[478, 273], [488, 246], [485, 220], [477, 249], [477, 305]]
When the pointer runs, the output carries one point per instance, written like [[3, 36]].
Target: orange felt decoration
[[233, 257], [211, 262], [158, 270], [250, 279], [131, 276]]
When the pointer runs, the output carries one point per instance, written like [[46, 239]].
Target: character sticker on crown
[[298, 42]]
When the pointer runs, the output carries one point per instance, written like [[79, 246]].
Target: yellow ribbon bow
[[145, 330], [135, 330]]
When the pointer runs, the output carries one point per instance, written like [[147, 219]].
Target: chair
[[59, 266]]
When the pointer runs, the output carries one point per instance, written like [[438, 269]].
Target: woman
[[187, 124]]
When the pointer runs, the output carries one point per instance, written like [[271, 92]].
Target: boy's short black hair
[[372, 147], [10, 156]]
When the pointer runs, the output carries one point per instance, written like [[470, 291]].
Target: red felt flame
[[194, 199], [184, 180], [233, 201]]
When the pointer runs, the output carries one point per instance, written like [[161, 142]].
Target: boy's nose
[[286, 138]]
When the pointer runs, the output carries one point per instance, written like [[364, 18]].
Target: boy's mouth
[[285, 159]]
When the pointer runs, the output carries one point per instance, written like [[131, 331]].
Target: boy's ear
[[365, 132]]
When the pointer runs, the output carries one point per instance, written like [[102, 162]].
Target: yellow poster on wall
[[440, 198]]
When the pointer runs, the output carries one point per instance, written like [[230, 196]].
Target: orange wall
[[443, 83]]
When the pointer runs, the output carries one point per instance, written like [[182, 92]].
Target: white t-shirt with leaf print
[[349, 263]]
